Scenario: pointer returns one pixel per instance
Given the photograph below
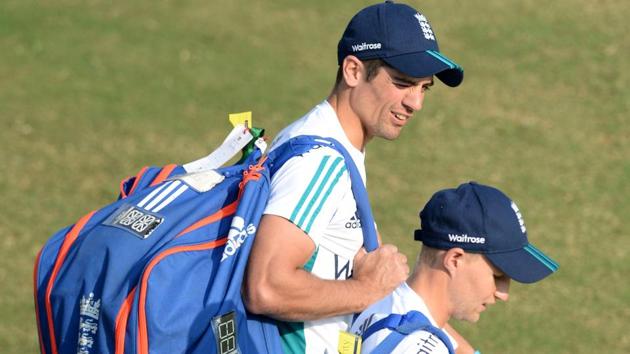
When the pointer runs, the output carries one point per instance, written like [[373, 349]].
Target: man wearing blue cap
[[309, 240], [474, 242]]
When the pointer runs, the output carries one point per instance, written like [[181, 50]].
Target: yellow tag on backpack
[[349, 343]]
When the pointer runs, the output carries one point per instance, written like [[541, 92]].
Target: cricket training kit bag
[[160, 270], [401, 326]]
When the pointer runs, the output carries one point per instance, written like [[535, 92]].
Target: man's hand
[[379, 272]]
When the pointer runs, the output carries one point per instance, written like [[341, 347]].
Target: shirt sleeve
[[307, 190]]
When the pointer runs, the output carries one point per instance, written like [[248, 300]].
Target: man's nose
[[414, 98], [503, 289]]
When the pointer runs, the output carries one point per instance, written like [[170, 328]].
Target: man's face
[[388, 101], [477, 285]]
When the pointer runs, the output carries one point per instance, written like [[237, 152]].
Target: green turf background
[[90, 91]]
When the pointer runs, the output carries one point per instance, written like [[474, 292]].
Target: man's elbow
[[258, 298]]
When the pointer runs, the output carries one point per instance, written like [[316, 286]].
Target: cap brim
[[525, 265], [428, 63]]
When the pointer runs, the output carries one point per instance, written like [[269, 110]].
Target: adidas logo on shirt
[[354, 222]]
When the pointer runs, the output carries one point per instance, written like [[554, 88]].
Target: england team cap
[[400, 36], [481, 219]]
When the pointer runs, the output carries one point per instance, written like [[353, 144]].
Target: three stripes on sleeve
[[317, 192]]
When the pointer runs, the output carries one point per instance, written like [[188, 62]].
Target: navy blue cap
[[481, 219], [400, 36]]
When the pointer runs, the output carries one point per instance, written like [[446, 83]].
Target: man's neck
[[350, 122], [431, 287]]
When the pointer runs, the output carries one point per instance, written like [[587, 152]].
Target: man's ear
[[353, 70], [453, 260]]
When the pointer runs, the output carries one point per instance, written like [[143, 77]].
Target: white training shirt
[[401, 301], [313, 191]]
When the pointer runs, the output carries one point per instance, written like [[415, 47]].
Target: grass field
[[90, 91]]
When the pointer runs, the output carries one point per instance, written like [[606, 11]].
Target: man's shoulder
[[316, 159], [320, 173], [401, 302]]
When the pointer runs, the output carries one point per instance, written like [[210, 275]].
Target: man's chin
[[472, 318], [392, 135]]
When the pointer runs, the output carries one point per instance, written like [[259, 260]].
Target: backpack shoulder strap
[[401, 326], [303, 143]]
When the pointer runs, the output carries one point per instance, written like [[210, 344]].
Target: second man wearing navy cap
[[310, 237], [474, 242]]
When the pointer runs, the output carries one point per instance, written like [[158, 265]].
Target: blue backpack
[[160, 270], [401, 326]]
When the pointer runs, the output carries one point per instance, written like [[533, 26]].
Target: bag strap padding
[[401, 326]]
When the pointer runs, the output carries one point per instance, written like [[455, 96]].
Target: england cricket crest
[[89, 310]]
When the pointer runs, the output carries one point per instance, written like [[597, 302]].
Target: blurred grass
[[90, 91]]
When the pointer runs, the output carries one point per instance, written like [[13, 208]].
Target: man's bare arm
[[276, 285]]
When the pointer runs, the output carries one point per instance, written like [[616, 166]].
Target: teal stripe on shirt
[[318, 192], [321, 203], [309, 188], [308, 266], [292, 333], [292, 337]]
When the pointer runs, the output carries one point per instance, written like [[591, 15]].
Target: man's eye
[[401, 84]]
